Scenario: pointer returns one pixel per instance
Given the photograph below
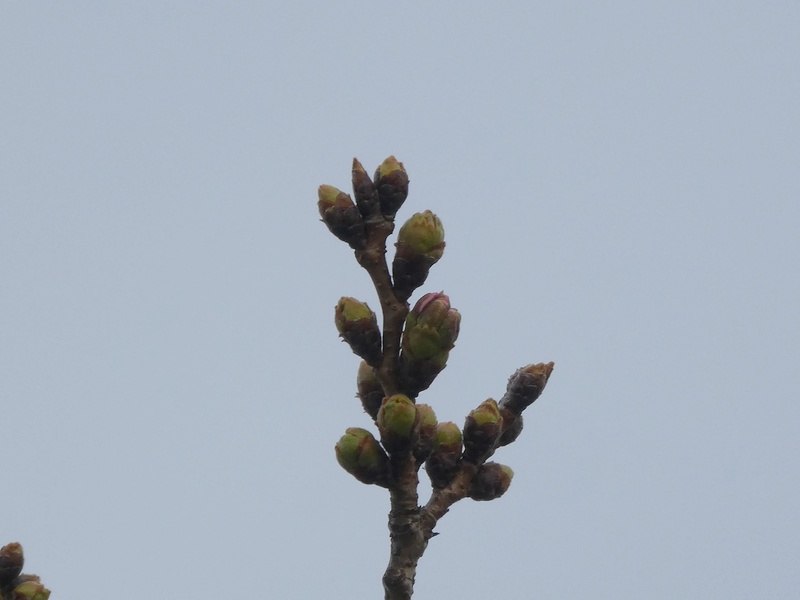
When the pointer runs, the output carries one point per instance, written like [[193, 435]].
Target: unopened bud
[[358, 326], [512, 427], [397, 421], [341, 216], [391, 181], [30, 589], [11, 561], [417, 376], [430, 332], [481, 431], [525, 386], [364, 191], [420, 244], [491, 481], [369, 388], [431, 326], [443, 462], [427, 433], [360, 454]]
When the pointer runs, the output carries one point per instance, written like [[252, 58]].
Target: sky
[[619, 188]]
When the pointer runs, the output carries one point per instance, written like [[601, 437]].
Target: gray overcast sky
[[619, 186]]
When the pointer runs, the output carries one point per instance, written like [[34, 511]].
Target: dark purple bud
[[391, 181], [341, 216], [364, 191], [525, 386], [490, 482]]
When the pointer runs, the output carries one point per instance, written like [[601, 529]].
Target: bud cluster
[[15, 585], [482, 433], [403, 358]]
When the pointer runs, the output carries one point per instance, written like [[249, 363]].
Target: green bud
[[358, 326], [360, 454], [364, 191], [448, 438], [431, 327], [427, 432], [491, 481], [370, 390], [430, 332], [525, 386], [397, 422], [482, 430], [30, 589], [420, 244], [423, 235], [341, 216], [391, 181], [444, 460], [11, 561]]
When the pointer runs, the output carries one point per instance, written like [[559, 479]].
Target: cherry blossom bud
[[397, 422], [427, 433], [481, 431], [525, 386], [490, 482], [369, 388], [443, 462], [430, 332], [11, 561], [360, 454], [364, 192], [358, 326], [341, 216], [391, 181], [420, 244]]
